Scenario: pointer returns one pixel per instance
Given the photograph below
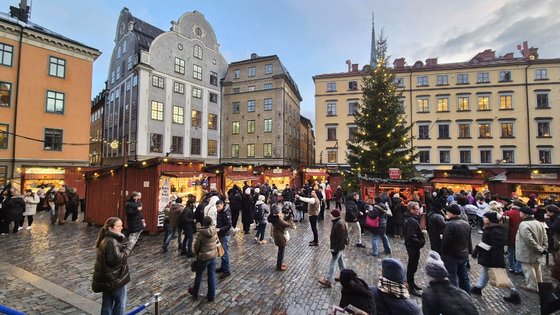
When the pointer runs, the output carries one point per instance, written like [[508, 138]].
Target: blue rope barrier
[[8, 311], [138, 310], [155, 299]]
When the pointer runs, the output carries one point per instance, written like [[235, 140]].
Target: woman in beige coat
[[31, 201], [205, 249], [531, 243]]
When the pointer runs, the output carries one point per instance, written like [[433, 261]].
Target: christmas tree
[[383, 137]]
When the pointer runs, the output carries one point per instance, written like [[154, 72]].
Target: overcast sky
[[317, 36]]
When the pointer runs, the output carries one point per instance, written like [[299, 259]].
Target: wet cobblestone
[[65, 256]]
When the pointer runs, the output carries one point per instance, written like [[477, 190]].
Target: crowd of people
[[529, 229], [61, 202]]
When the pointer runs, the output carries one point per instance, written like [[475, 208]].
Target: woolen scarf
[[391, 287]]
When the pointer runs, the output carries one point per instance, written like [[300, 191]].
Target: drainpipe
[[16, 105], [527, 113]]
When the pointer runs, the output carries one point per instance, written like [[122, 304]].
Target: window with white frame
[[179, 65], [543, 129], [442, 104], [331, 86], [542, 100], [235, 106], [463, 103], [251, 150], [506, 101], [353, 133], [57, 67], [214, 78], [212, 147], [506, 129], [508, 156], [268, 68], [213, 97], [464, 130], [157, 81], [399, 82], [424, 156], [331, 108], [176, 145], [55, 102], [465, 156], [332, 155], [268, 86], [483, 77], [353, 85], [423, 131], [6, 54], [251, 126], [268, 125], [251, 106], [52, 139], [267, 104], [212, 121], [443, 131], [178, 114], [267, 150], [484, 102], [541, 74], [331, 133], [353, 107], [442, 79], [484, 131], [545, 156], [197, 72], [422, 80], [422, 105], [486, 156], [156, 143], [235, 127], [236, 74], [505, 76], [157, 110], [196, 92], [444, 156], [462, 78], [178, 87], [197, 52], [252, 71], [235, 150]]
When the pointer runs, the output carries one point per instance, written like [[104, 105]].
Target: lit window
[[483, 103], [4, 133], [484, 130], [235, 127], [178, 115], [505, 102], [250, 126], [442, 104], [5, 93], [157, 110], [268, 125], [507, 129], [267, 150], [462, 103], [212, 121], [423, 106], [196, 118], [212, 147], [235, 150], [251, 150], [332, 155]]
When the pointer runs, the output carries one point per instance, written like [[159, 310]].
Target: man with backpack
[[235, 204], [261, 213]]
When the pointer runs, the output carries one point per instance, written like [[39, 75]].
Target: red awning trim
[[316, 174], [467, 181], [532, 181], [242, 177], [186, 174]]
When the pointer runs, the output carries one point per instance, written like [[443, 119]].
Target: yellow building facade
[[490, 111]]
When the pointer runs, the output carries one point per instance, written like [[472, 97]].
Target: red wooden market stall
[[108, 188]]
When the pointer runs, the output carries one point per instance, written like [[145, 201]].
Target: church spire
[[373, 57]]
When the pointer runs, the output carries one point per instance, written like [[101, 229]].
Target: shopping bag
[[220, 249], [371, 222], [287, 236], [498, 277]]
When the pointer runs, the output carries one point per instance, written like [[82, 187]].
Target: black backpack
[[199, 212], [259, 213]]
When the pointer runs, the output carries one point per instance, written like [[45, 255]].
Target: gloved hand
[[334, 253], [544, 252]]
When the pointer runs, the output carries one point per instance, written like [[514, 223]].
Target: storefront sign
[[164, 194], [277, 171], [544, 176], [46, 170], [146, 184], [239, 169], [394, 173], [313, 170]]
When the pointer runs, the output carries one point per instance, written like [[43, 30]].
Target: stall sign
[[164, 198], [394, 173], [544, 176], [239, 169], [277, 171], [46, 170], [313, 170]]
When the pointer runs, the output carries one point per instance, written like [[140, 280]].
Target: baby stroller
[[288, 211], [471, 214]]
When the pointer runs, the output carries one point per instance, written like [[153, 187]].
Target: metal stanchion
[[157, 298]]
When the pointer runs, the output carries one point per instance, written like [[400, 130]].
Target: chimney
[[349, 63], [431, 62], [254, 56], [21, 13], [399, 63], [508, 56], [354, 67]]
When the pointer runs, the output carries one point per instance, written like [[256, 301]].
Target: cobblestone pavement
[[65, 255]]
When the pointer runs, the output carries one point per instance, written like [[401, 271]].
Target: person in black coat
[[436, 225], [13, 208], [397, 220], [490, 254], [235, 197], [248, 207], [188, 226], [351, 217], [110, 274], [456, 246], [441, 297], [356, 292], [414, 240], [134, 217]]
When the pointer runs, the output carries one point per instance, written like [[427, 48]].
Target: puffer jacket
[[352, 213], [441, 297], [31, 204], [174, 214], [205, 243], [456, 242], [111, 267], [134, 217], [211, 211], [13, 208], [379, 210], [495, 236], [279, 227]]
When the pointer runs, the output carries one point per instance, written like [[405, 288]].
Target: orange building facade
[[45, 92]]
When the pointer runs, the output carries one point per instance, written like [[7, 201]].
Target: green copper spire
[[373, 57]]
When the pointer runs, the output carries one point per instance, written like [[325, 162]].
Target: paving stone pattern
[[65, 255]]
